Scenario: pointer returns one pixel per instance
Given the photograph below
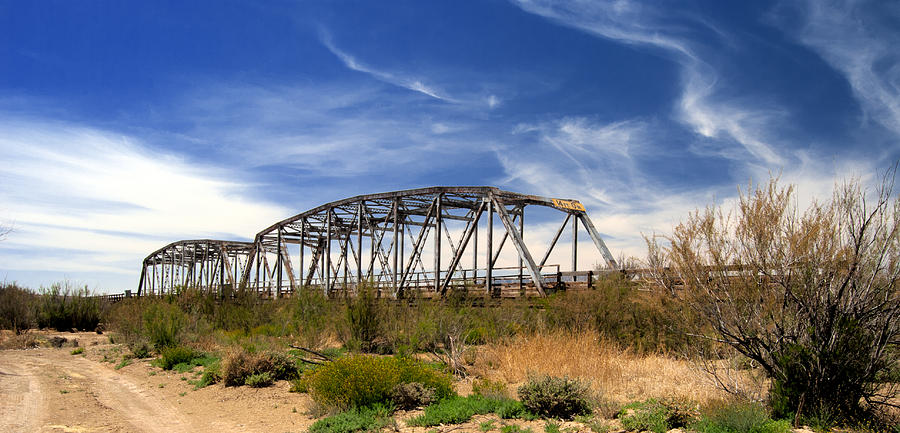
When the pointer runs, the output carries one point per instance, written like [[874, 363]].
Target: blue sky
[[127, 125]]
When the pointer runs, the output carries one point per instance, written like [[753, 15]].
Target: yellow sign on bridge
[[568, 204]]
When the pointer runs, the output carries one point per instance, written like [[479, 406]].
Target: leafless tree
[[812, 296]]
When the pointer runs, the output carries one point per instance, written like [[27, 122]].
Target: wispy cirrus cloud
[[414, 84], [598, 160], [701, 107], [87, 200], [331, 131], [859, 39], [411, 81]]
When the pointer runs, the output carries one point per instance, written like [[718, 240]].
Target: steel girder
[[206, 264], [382, 239]]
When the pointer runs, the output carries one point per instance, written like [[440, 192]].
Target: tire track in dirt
[[21, 407], [143, 410], [24, 395]]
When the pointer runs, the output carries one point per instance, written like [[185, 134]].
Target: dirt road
[[51, 390]]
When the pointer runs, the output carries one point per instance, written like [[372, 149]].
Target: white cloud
[[332, 131], [701, 108], [859, 40], [110, 200], [407, 82]]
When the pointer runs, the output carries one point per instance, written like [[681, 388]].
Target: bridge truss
[[414, 240]]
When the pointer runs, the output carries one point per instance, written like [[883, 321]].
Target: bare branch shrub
[[810, 295]]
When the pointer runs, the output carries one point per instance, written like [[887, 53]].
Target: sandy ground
[[51, 390]]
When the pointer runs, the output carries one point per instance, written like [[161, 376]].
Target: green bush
[[163, 324], [139, 350], [364, 314], [740, 418], [310, 314], [211, 374], [555, 397], [361, 419], [259, 380], [78, 351], [172, 356], [658, 416], [358, 380], [16, 308], [64, 308]]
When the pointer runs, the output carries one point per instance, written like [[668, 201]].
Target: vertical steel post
[[278, 265], [489, 271], [437, 244], [522, 233], [328, 251], [359, 236], [574, 246], [257, 254], [221, 272], [402, 241], [302, 241], [395, 248], [475, 256]]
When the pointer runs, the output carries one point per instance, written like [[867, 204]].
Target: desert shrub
[[63, 308], [412, 395], [358, 380], [211, 374], [658, 416], [259, 380], [163, 324], [360, 419], [490, 388], [139, 350], [310, 315], [364, 314], [172, 356], [16, 308], [78, 351], [811, 295], [740, 418], [556, 397], [239, 365]]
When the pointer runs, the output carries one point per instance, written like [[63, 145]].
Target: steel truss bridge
[[402, 242]]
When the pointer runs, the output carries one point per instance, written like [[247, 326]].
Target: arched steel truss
[[210, 265], [388, 240]]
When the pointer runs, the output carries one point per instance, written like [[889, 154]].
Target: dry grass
[[618, 375], [10, 340]]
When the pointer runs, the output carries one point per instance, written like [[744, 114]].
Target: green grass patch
[[183, 359], [740, 418], [78, 351], [367, 419], [457, 410], [125, 362], [658, 416]]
